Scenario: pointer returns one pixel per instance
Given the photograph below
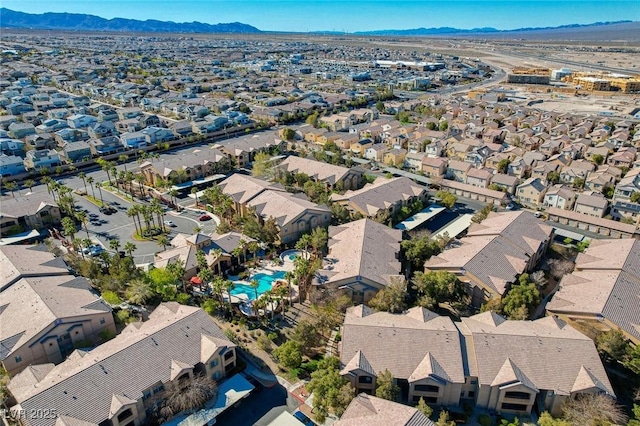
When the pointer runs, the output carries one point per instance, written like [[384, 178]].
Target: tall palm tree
[[129, 248], [11, 186], [254, 285], [29, 183], [93, 192], [217, 287], [114, 245], [139, 177], [84, 219], [47, 181], [133, 212], [123, 159], [253, 247], [194, 191], [99, 185], [83, 176], [163, 241], [289, 276], [228, 286], [173, 193]]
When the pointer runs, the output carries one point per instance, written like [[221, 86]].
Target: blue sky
[[350, 15]]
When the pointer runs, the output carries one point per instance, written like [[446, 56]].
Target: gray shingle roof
[[606, 282], [362, 248], [545, 354], [381, 194], [13, 265], [83, 387], [371, 411], [33, 304], [400, 342]]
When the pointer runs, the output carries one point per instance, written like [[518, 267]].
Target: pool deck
[[268, 268]]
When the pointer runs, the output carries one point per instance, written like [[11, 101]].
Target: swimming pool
[[265, 281]]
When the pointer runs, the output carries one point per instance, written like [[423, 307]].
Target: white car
[[170, 223]]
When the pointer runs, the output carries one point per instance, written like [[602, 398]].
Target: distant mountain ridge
[[83, 22], [483, 30]]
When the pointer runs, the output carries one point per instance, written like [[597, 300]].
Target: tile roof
[[41, 262], [24, 205], [33, 304], [544, 354], [284, 207], [138, 358], [372, 411], [362, 248], [381, 194], [317, 170], [401, 342], [496, 250], [605, 283], [243, 188]]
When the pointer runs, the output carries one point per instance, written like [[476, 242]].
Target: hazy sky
[[350, 15]]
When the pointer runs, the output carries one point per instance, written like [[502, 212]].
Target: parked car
[[303, 418], [510, 206], [170, 223], [204, 218], [96, 250]]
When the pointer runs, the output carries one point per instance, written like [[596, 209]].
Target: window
[[216, 375], [513, 407], [471, 394], [228, 355], [158, 389], [474, 382], [427, 388], [517, 395], [365, 380], [213, 363], [102, 321], [125, 414], [146, 395], [18, 358]]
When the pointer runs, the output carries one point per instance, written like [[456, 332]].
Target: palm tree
[[47, 181], [173, 193], [194, 191], [29, 183], [93, 192], [84, 219], [253, 247], [228, 286], [254, 285], [133, 212], [139, 177], [99, 185], [123, 159], [163, 241], [114, 245], [129, 247], [83, 176], [129, 178], [217, 287], [289, 276], [138, 292], [11, 186]]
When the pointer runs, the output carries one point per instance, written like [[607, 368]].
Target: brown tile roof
[[372, 411]]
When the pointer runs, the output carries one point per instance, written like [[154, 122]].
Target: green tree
[[421, 247], [447, 199], [138, 292], [288, 134], [547, 419], [578, 183], [553, 177], [636, 416], [289, 354], [330, 390], [424, 408], [386, 387], [514, 422], [520, 301], [635, 197], [612, 343], [391, 298], [29, 183], [632, 360], [503, 165], [443, 420], [261, 166], [443, 126], [597, 159], [254, 285], [11, 186], [129, 248], [318, 241], [380, 106], [437, 287], [483, 213], [306, 333]]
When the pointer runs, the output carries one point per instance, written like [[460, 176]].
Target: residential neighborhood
[[200, 230]]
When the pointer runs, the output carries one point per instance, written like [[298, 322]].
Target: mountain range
[[83, 22]]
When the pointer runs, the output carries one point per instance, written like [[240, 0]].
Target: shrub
[[485, 420], [264, 342], [122, 316], [183, 298], [106, 334], [111, 298]]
